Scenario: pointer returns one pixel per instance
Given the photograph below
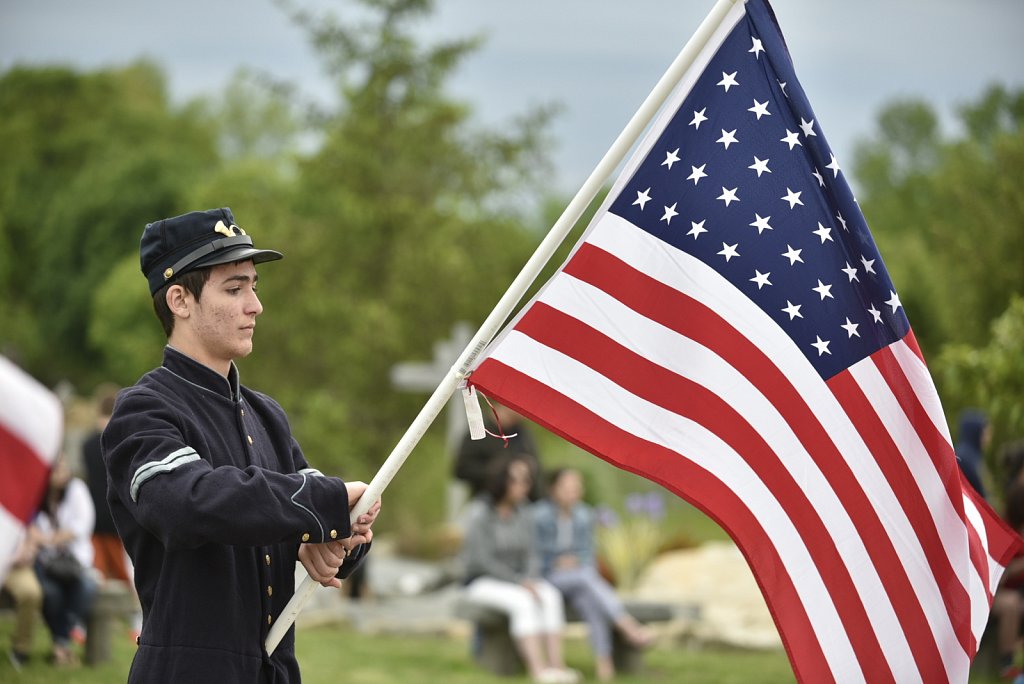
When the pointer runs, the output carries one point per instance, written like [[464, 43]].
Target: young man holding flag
[[210, 492]]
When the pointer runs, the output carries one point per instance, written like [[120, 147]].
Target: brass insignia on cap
[[227, 231], [168, 273], [224, 230]]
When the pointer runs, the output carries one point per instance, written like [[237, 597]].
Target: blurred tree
[[88, 159], [990, 376], [948, 215], [406, 220]]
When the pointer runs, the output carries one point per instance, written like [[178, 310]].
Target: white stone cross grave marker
[[425, 376]]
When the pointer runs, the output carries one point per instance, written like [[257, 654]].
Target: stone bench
[[114, 602], [496, 652]]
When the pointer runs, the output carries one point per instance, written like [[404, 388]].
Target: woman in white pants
[[503, 572]]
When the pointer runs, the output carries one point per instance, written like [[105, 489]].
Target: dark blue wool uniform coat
[[212, 497]]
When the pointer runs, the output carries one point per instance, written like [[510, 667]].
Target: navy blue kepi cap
[[180, 244]]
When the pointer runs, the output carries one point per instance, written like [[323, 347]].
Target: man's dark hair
[[192, 281]]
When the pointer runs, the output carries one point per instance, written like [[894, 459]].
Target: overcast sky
[[598, 59]]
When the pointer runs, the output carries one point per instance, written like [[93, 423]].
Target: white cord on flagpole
[[437, 401]]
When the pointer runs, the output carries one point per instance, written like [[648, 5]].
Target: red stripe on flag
[[875, 434], [1003, 540], [631, 453], [940, 451], [683, 397], [911, 342], [23, 476]]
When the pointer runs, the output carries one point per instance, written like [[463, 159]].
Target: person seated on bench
[[503, 572], [565, 537], [64, 561], [26, 593]]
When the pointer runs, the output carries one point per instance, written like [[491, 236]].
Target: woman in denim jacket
[[565, 535]]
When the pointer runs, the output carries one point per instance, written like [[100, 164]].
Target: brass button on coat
[[334, 534], [305, 537]]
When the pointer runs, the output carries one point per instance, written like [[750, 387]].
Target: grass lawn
[[332, 654], [329, 655]]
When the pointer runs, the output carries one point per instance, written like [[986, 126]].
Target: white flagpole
[[437, 401]]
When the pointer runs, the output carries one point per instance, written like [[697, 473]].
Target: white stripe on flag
[[30, 411], [919, 377], [659, 426]]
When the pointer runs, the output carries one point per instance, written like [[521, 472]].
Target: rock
[[716, 578]]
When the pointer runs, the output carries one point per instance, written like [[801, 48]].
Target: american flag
[[31, 430], [726, 327]]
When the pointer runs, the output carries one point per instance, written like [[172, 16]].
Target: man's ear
[[178, 301]]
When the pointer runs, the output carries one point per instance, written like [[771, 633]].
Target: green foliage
[[399, 226], [126, 348], [949, 215], [990, 376], [88, 159]]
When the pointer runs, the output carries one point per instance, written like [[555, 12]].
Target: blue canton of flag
[[743, 179]]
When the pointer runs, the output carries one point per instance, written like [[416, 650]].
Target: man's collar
[[193, 371]]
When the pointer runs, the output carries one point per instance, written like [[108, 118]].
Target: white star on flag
[[823, 290], [760, 109], [728, 138], [728, 196], [793, 310], [671, 158], [728, 81], [760, 165], [761, 279], [792, 139], [834, 165], [793, 198], [893, 301], [698, 118], [792, 254], [697, 174], [761, 223], [642, 198], [729, 251], [821, 345], [670, 212], [823, 232]]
